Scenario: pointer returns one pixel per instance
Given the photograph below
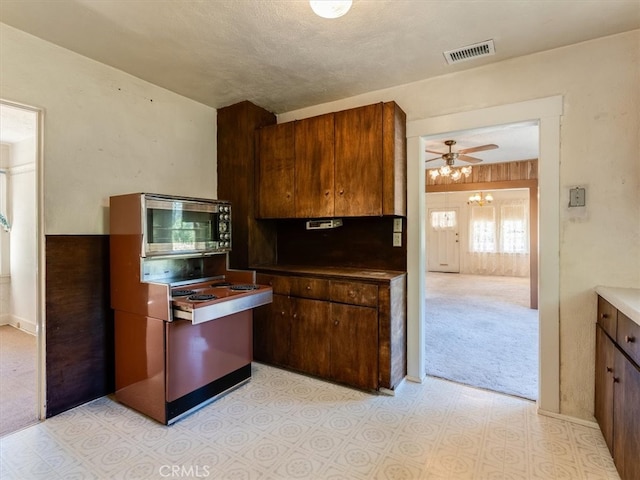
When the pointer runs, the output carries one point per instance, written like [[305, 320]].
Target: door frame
[[40, 258], [547, 113]]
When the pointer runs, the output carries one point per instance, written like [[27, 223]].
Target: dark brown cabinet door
[[626, 418], [358, 161], [272, 331], [607, 317], [310, 328], [314, 167], [603, 402], [354, 345], [275, 154]]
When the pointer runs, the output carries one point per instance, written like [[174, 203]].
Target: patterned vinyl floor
[[287, 426]]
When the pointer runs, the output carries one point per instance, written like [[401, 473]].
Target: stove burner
[[201, 297], [221, 284], [243, 287], [182, 293]]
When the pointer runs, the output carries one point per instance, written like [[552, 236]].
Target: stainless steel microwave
[[185, 226]]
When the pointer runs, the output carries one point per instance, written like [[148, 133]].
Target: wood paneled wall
[[493, 172], [253, 240], [79, 321]]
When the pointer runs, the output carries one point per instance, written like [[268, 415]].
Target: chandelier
[[449, 171], [480, 199]]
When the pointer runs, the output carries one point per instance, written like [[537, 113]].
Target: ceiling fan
[[450, 157]]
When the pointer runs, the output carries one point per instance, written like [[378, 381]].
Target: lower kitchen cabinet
[[626, 418], [309, 350], [354, 345], [274, 324], [603, 402], [617, 387], [346, 330]]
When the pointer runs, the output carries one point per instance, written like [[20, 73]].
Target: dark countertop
[[332, 272]]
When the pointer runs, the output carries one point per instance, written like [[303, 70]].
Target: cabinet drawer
[[355, 293], [607, 317], [306, 287], [280, 284], [628, 337]]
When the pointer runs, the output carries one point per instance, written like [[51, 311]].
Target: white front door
[[443, 243]]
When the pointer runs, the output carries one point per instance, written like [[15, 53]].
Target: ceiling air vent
[[470, 52]]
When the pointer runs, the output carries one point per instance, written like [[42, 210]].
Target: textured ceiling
[[281, 56]]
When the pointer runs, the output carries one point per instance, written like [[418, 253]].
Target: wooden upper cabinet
[[358, 163], [275, 170], [350, 163], [394, 160], [314, 167]]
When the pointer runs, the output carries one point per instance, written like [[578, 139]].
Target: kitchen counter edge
[[375, 275], [627, 300]]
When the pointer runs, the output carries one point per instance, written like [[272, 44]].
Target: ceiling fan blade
[[467, 158], [432, 159], [433, 151], [481, 148]]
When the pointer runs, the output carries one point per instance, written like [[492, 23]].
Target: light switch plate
[[397, 225]]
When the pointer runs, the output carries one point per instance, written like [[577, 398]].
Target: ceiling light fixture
[[330, 8], [480, 199], [447, 171]]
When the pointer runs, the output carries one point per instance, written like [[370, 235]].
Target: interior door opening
[[481, 318], [20, 340]]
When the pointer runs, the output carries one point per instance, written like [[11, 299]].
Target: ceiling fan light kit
[[450, 157], [446, 171]]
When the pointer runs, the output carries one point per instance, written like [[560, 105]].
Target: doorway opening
[[481, 319], [547, 112], [20, 324]]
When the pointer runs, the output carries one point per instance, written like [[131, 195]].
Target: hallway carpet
[[17, 379], [481, 332]]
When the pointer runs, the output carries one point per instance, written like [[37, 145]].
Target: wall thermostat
[[577, 197]]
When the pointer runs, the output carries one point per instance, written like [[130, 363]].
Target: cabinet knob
[[326, 194], [308, 287], [336, 322], [341, 192], [295, 315], [629, 338], [609, 369], [604, 315], [616, 379]]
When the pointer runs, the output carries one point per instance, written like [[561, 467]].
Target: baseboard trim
[[413, 379], [21, 324], [568, 418]]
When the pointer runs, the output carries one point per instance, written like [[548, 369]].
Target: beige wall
[[105, 133], [599, 143]]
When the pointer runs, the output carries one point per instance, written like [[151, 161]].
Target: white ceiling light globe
[[330, 8]]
